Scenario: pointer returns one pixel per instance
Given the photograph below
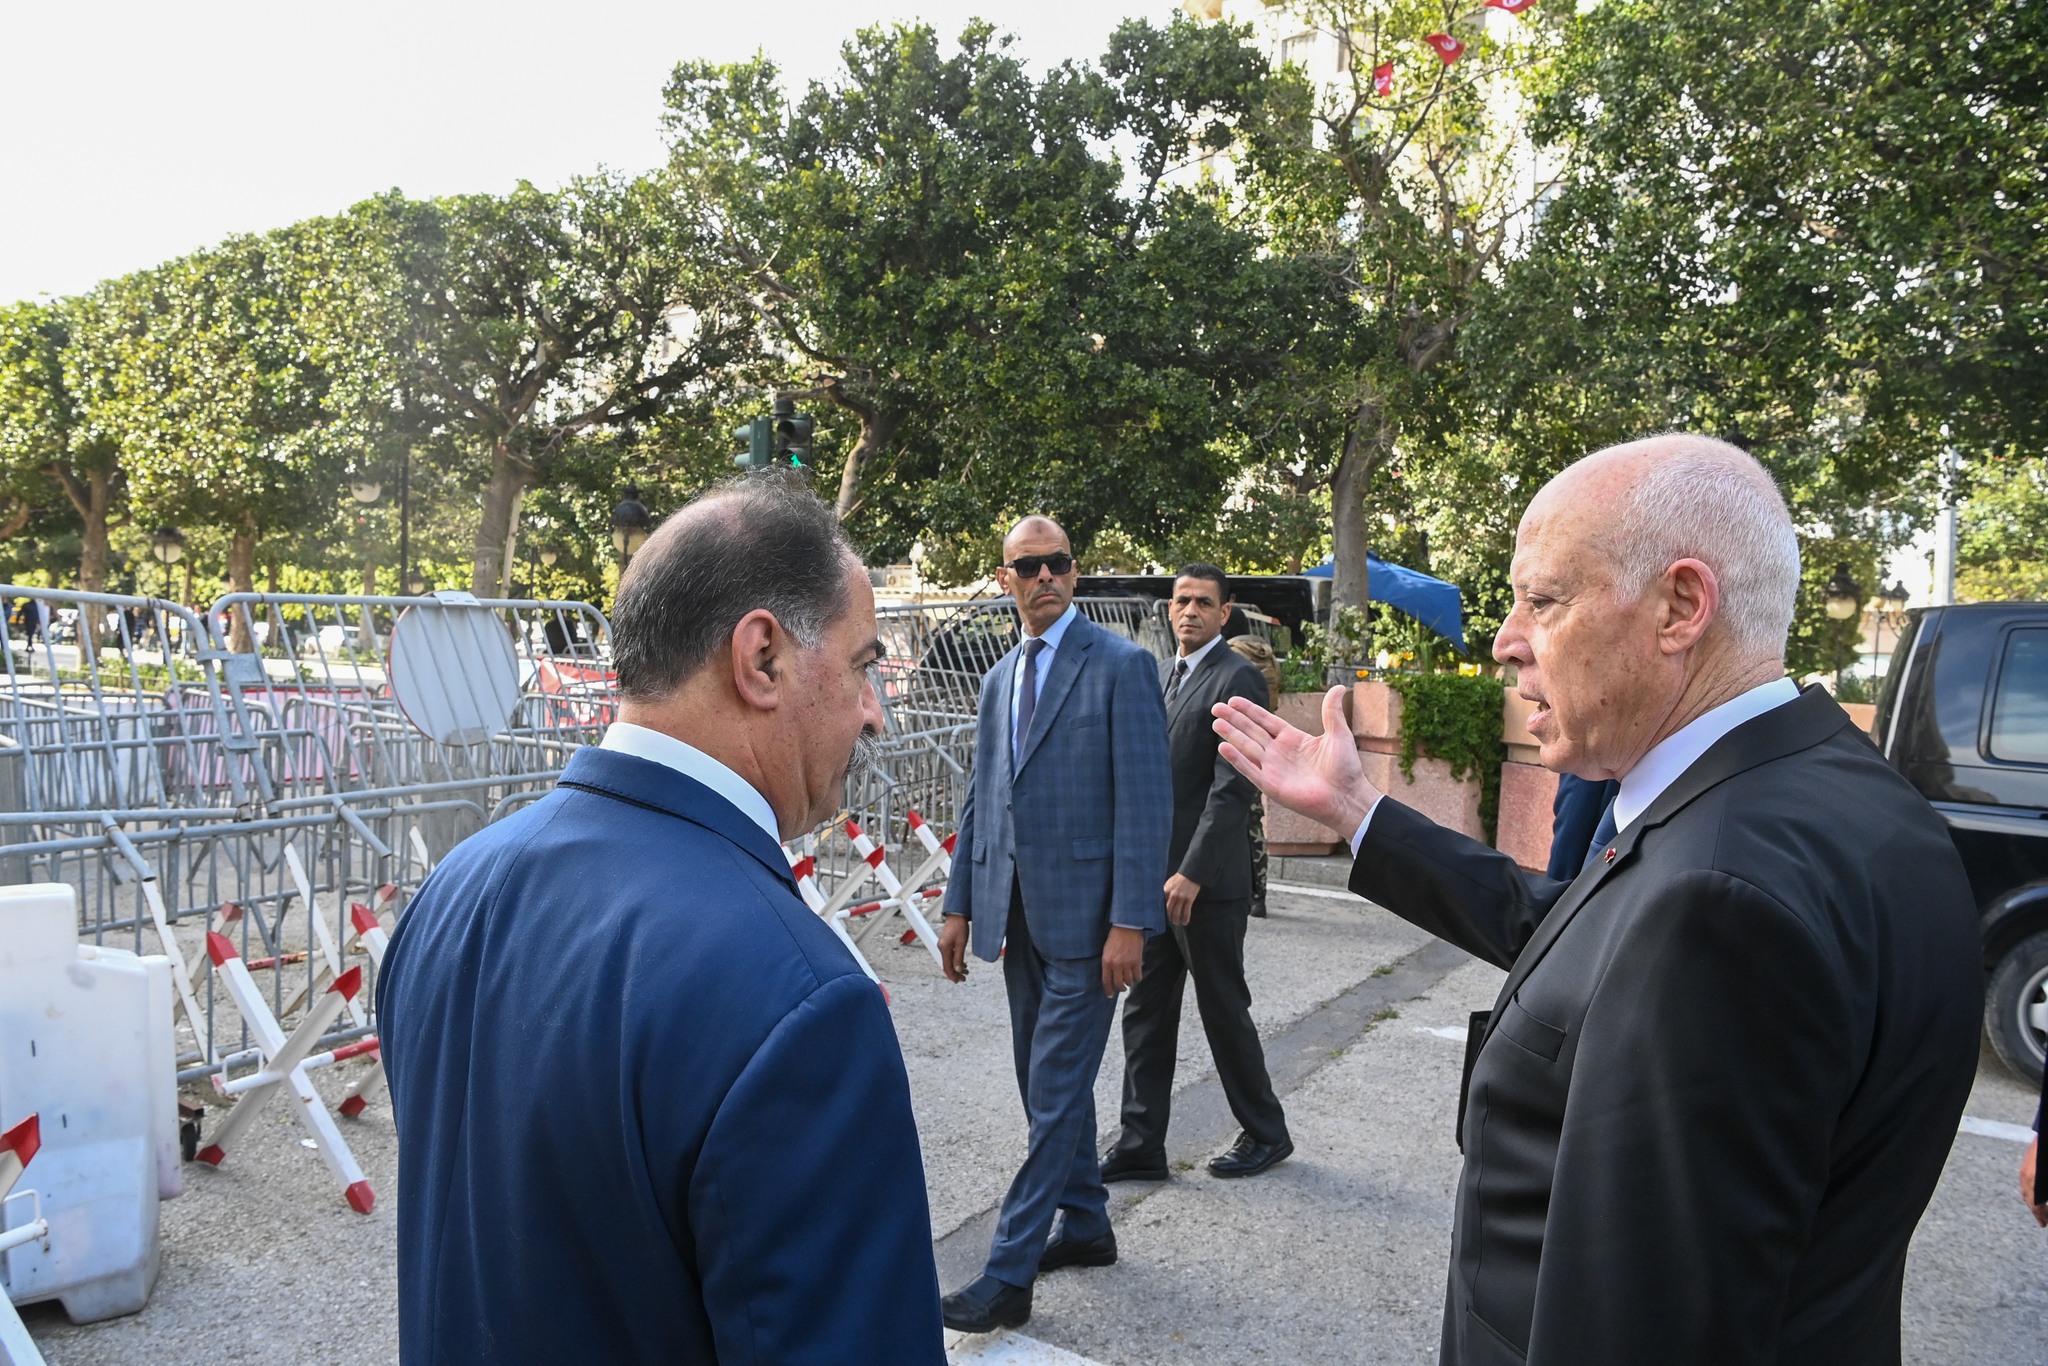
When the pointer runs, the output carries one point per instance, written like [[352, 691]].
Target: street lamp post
[[167, 544], [1844, 599], [631, 524], [366, 491], [1891, 611]]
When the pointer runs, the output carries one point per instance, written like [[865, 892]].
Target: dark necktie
[[1180, 674], [1027, 700], [1603, 835]]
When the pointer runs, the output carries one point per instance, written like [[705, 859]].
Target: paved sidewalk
[[1335, 1256]]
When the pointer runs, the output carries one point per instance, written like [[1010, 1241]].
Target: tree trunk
[[1364, 444], [509, 478], [17, 518], [877, 429], [511, 546], [242, 579]]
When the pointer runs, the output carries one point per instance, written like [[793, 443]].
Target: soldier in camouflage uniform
[[1261, 656]]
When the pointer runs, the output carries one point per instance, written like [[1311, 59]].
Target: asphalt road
[[1335, 1256]]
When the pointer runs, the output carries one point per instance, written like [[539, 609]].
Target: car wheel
[[2016, 1007]]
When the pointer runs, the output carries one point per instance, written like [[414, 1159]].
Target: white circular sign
[[454, 671]]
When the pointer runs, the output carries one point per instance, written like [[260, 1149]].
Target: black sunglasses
[[1027, 566]]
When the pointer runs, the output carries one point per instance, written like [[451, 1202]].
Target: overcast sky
[[138, 132]]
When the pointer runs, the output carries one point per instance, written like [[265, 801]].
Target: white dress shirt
[[1052, 637], [656, 747], [1195, 660], [1670, 757]]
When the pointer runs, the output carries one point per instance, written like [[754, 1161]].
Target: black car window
[[2019, 711]]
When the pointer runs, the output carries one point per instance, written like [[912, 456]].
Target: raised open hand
[[1317, 775]]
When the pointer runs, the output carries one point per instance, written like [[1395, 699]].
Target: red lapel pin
[[1609, 855]]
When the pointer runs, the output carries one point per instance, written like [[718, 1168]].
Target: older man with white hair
[[1717, 1088]]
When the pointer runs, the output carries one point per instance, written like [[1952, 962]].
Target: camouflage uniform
[[1261, 656]]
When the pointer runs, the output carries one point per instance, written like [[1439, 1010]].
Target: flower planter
[[1431, 790]]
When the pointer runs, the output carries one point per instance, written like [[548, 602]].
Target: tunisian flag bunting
[[1511, 6], [1447, 47], [1383, 79]]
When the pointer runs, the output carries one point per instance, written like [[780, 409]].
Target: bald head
[[1647, 504], [1034, 529]]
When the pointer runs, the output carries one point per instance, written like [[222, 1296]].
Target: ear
[[760, 660], [1692, 599]]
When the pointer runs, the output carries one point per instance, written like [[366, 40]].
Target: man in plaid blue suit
[[1061, 856]]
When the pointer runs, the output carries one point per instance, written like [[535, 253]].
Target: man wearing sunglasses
[[1058, 870]]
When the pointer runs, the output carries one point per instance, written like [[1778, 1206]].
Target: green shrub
[[1455, 718]]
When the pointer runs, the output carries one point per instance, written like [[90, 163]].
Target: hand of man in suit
[[1317, 775], [953, 948], [1123, 959], [1180, 899]]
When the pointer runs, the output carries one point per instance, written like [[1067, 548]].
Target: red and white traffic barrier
[[18, 1147], [905, 904], [285, 1061], [369, 930], [804, 868]]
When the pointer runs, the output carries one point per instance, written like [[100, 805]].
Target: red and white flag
[[1511, 6], [1383, 79], [1447, 47]]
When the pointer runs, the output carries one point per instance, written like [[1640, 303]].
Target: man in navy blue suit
[[1062, 855], [649, 1110]]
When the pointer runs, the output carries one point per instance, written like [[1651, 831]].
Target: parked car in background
[[1964, 716]]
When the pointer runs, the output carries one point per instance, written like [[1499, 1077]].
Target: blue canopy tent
[[1431, 601]]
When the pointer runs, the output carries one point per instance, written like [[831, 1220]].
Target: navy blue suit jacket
[[648, 1108], [1083, 817]]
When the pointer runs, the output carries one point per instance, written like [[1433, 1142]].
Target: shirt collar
[[1195, 660], [1053, 633], [661, 748], [1670, 757]]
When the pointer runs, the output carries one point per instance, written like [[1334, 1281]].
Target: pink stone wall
[[1522, 830]]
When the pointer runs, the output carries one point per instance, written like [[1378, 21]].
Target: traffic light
[[759, 435], [793, 435]]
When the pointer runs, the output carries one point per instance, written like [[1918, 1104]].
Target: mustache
[[866, 756]]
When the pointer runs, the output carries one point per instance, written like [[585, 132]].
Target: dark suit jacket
[[1725, 1069], [1081, 818], [649, 1110], [1212, 801]]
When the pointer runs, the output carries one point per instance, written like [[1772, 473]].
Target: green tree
[[1408, 201], [219, 401], [54, 386], [2002, 551], [516, 322], [950, 252], [1814, 229]]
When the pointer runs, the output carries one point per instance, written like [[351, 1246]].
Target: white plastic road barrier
[[370, 932], [940, 850], [17, 1149], [285, 1062], [872, 854], [805, 870], [330, 952], [86, 1042]]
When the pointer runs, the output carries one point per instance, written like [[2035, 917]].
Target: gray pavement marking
[[1008, 1349], [1201, 1115], [1304, 889], [1996, 1128]]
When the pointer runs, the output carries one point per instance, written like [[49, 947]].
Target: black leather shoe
[[1065, 1251], [1118, 1165], [985, 1304], [1249, 1157]]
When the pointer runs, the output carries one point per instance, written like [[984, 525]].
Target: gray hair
[[1703, 499], [759, 543]]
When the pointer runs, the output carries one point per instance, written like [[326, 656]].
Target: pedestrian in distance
[[1058, 868], [1208, 903], [649, 1109], [1720, 1081]]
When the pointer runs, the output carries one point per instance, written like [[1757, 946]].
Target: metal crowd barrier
[[257, 768]]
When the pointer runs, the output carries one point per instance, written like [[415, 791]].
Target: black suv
[[1964, 715]]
